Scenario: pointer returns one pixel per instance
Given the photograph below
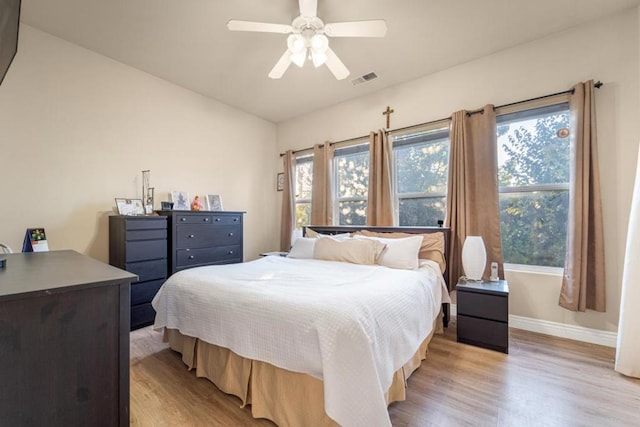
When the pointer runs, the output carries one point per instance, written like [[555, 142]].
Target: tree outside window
[[304, 182], [533, 175], [352, 184]]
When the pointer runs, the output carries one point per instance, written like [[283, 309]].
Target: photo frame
[[280, 182], [180, 201], [129, 206], [214, 202]]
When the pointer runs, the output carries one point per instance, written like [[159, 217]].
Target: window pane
[[304, 180], [424, 211], [534, 226], [303, 214], [353, 213], [422, 167], [352, 172], [534, 149]]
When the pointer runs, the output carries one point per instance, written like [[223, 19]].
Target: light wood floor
[[544, 381]]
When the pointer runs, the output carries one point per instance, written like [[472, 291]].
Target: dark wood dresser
[[138, 244], [64, 341], [483, 314], [198, 238]]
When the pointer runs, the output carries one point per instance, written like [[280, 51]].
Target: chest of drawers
[[138, 244], [198, 238]]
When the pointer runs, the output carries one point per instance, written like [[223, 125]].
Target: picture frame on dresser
[[129, 206], [214, 202], [180, 200]]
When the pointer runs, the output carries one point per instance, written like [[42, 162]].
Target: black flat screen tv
[[9, 23]]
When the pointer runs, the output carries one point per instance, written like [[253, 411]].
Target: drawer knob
[[191, 236], [206, 219], [217, 219], [191, 257], [235, 219], [230, 234], [183, 219], [230, 252]]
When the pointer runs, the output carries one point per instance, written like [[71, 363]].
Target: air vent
[[364, 78]]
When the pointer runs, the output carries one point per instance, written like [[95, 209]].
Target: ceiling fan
[[308, 38]]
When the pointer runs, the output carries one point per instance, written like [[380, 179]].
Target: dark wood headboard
[[337, 229]]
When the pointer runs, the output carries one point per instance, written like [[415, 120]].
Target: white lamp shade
[[474, 257]]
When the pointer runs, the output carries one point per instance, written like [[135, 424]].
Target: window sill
[[536, 269]]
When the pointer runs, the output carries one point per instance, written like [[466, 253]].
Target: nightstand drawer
[[145, 223], [486, 306], [151, 234], [483, 333]]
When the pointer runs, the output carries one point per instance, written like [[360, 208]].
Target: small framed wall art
[[180, 201], [214, 202], [280, 182], [130, 206]]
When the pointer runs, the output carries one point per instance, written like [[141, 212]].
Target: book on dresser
[[199, 238], [138, 244]]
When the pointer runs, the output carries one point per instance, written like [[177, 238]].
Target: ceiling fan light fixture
[[298, 58], [296, 44], [319, 43], [318, 58]]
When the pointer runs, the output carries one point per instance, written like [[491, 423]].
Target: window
[[351, 165], [533, 175], [421, 165], [304, 181]]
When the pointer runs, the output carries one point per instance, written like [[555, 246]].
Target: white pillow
[[340, 237], [399, 253], [302, 248]]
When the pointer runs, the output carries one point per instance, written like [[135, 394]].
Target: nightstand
[[483, 314], [276, 253]]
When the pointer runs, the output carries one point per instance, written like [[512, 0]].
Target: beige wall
[[77, 129], [606, 50]]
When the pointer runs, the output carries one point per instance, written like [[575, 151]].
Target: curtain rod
[[597, 85]]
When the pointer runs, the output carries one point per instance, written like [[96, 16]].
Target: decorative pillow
[[432, 246], [399, 253], [302, 248], [314, 234], [356, 251]]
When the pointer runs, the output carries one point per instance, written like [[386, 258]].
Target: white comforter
[[351, 326]]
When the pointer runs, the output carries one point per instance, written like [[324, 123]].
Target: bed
[[301, 346]]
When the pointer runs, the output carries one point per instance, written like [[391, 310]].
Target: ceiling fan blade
[[374, 28], [281, 66], [265, 27], [308, 8], [335, 65]]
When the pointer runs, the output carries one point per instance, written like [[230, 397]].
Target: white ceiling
[[186, 41]]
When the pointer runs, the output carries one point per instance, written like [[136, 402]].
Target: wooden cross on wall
[[387, 113]]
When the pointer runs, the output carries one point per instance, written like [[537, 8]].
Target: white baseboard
[[578, 333]]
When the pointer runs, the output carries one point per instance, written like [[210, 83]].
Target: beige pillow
[[312, 234], [356, 251], [432, 244]]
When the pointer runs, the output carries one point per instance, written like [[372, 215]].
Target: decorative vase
[[474, 257]]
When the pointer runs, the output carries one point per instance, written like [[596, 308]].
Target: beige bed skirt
[[284, 397]]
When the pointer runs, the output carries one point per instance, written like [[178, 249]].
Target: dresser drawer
[[142, 250], [220, 254], [200, 236], [492, 307], [148, 270], [193, 219], [146, 223], [483, 333], [227, 219], [142, 315], [151, 234], [143, 292]]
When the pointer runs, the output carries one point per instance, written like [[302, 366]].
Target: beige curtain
[[322, 191], [380, 203], [628, 346], [288, 220], [472, 192], [583, 284]]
